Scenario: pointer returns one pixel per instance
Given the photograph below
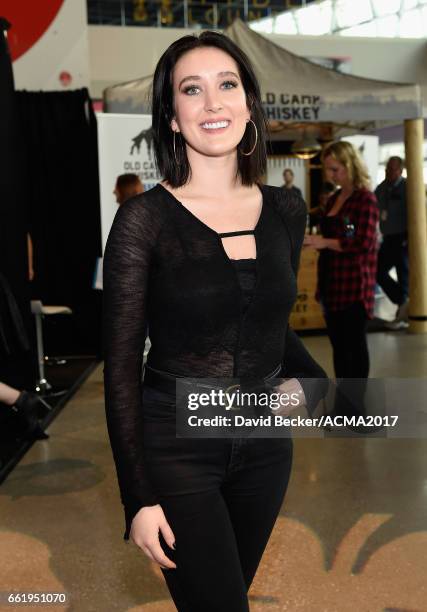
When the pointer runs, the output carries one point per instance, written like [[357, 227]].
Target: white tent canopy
[[300, 95], [297, 90]]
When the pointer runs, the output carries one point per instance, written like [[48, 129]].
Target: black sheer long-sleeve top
[[164, 268]]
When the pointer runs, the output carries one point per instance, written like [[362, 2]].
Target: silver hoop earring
[[174, 146], [256, 140]]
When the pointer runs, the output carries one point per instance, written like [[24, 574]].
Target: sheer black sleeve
[[125, 278], [297, 361]]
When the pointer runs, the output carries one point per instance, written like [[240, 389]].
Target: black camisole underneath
[[245, 270], [246, 273]]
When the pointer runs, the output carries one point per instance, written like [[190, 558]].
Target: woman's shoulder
[[287, 202], [363, 192], [149, 205], [364, 195], [151, 200]]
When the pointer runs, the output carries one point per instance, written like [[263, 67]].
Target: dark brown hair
[[250, 168], [127, 180]]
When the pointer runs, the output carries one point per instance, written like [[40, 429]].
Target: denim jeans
[[221, 498]]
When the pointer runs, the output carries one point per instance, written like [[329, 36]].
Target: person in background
[[348, 259], [14, 340], [393, 253], [288, 177], [127, 186], [25, 404]]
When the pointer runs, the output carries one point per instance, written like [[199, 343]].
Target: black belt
[[166, 381]]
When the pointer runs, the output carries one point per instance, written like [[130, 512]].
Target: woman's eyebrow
[[228, 73], [195, 77]]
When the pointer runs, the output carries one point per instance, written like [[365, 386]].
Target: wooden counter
[[307, 313]]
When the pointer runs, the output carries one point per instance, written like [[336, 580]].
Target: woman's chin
[[216, 149]]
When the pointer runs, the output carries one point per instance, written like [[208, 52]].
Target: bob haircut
[[347, 155], [177, 173]]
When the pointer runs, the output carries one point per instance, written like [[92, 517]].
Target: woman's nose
[[212, 102]]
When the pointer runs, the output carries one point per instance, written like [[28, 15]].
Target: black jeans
[[221, 498], [347, 333], [394, 253]]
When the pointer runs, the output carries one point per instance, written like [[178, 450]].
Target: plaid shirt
[[349, 276]]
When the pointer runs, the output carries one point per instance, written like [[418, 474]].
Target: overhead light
[[276, 125], [306, 148]]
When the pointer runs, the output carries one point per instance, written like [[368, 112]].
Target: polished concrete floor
[[351, 535]]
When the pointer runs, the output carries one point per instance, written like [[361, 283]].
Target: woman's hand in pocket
[[290, 397], [145, 533]]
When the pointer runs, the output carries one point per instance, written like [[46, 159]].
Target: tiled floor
[[352, 533]]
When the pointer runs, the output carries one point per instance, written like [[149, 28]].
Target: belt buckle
[[231, 388]]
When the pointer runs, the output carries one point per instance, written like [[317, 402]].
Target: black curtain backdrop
[[59, 167], [16, 363]]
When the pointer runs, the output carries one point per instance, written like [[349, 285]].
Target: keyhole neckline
[[210, 229]]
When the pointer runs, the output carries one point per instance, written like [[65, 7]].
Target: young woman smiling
[[208, 261]]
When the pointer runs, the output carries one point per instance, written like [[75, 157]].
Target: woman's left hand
[[291, 396], [316, 242]]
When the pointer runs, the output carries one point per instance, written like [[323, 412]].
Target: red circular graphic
[[65, 78], [29, 20]]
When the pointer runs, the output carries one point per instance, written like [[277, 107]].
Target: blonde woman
[[348, 259]]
